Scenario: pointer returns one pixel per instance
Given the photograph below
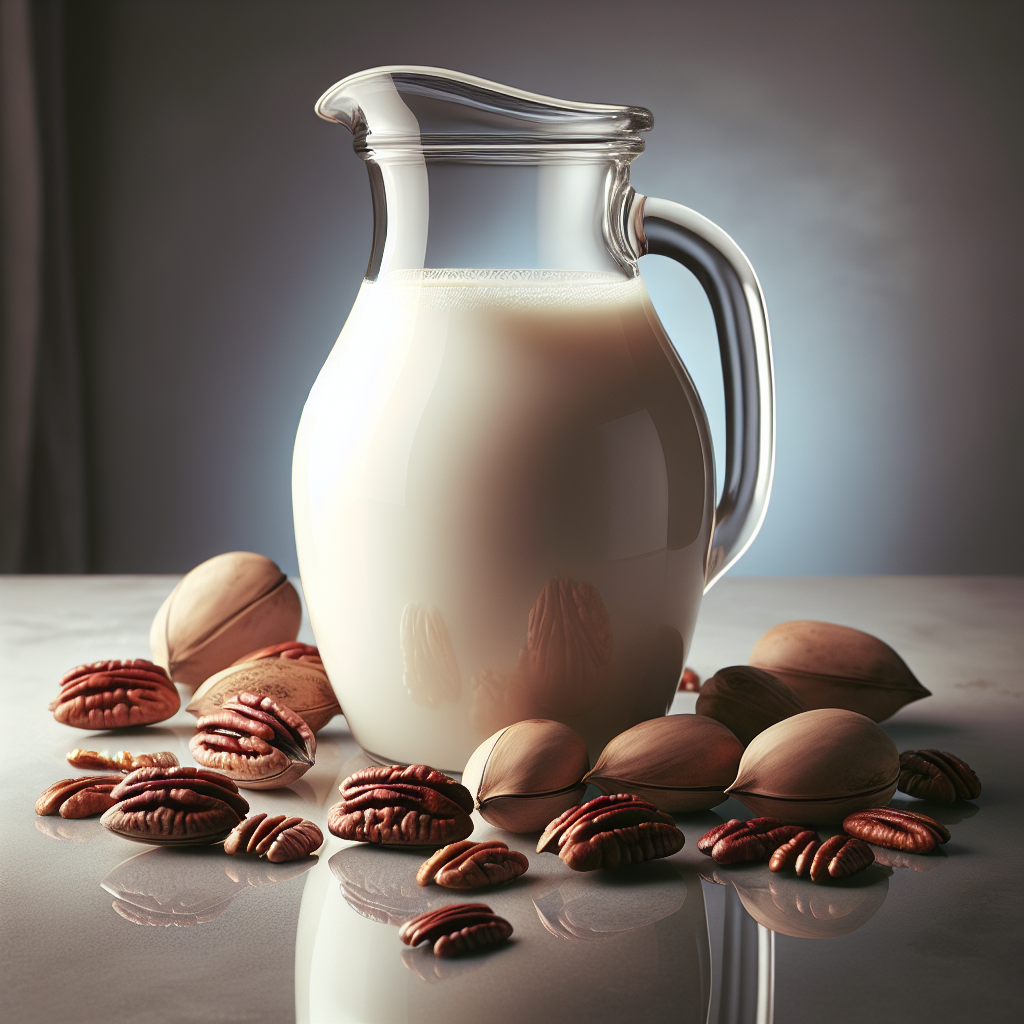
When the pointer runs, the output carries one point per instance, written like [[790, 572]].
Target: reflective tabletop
[[96, 928]]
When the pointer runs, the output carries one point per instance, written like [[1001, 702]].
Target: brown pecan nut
[[121, 761], [837, 857], [469, 865], [938, 776], [255, 741], [175, 807], [898, 830], [458, 928], [115, 694], [736, 841], [277, 838], [610, 831], [290, 650], [413, 806], [78, 798]]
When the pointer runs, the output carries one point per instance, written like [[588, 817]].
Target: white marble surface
[[937, 939]]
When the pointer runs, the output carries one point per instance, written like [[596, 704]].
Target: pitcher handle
[[669, 229]]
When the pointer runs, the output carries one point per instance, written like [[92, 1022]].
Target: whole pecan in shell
[[898, 830], [458, 928], [123, 760], [938, 776], [736, 841], [747, 700], [114, 695], [255, 741], [175, 807], [396, 806], [610, 831], [78, 798], [837, 857], [469, 865], [277, 838]]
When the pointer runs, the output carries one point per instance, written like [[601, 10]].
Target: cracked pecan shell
[[469, 865], [255, 741], [78, 798], [938, 776], [736, 841], [396, 806], [114, 695], [898, 830], [175, 807], [836, 857], [455, 929], [610, 831], [278, 838]]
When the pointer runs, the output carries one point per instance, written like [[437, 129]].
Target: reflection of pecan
[[565, 664], [414, 806], [431, 669], [898, 830], [938, 776], [837, 857], [610, 831], [175, 807], [458, 928], [115, 694], [469, 865], [277, 838], [78, 798], [255, 741], [756, 839], [122, 760]]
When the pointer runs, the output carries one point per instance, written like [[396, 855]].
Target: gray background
[[866, 156]]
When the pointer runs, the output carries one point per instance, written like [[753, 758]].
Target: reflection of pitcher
[[504, 425]]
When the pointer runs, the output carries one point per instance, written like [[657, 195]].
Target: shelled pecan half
[[413, 806], [610, 831], [175, 807], [278, 838], [78, 798], [469, 865], [255, 741], [736, 841], [123, 760], [898, 830], [458, 928], [938, 776], [837, 857], [114, 695]]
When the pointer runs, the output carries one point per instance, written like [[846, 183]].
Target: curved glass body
[[503, 481]]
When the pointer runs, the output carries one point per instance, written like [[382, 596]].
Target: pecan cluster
[[413, 806], [278, 838], [78, 798], [114, 695], [455, 929], [938, 776], [610, 831], [469, 865], [837, 857], [256, 741], [175, 807], [757, 839], [898, 830]]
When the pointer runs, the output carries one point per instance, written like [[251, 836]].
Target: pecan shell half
[[469, 865], [396, 806], [114, 695], [736, 841], [78, 798], [175, 807], [458, 928], [256, 741], [122, 761], [277, 838], [938, 776], [610, 831], [837, 857], [898, 830]]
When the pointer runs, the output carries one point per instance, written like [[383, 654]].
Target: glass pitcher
[[503, 482]]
